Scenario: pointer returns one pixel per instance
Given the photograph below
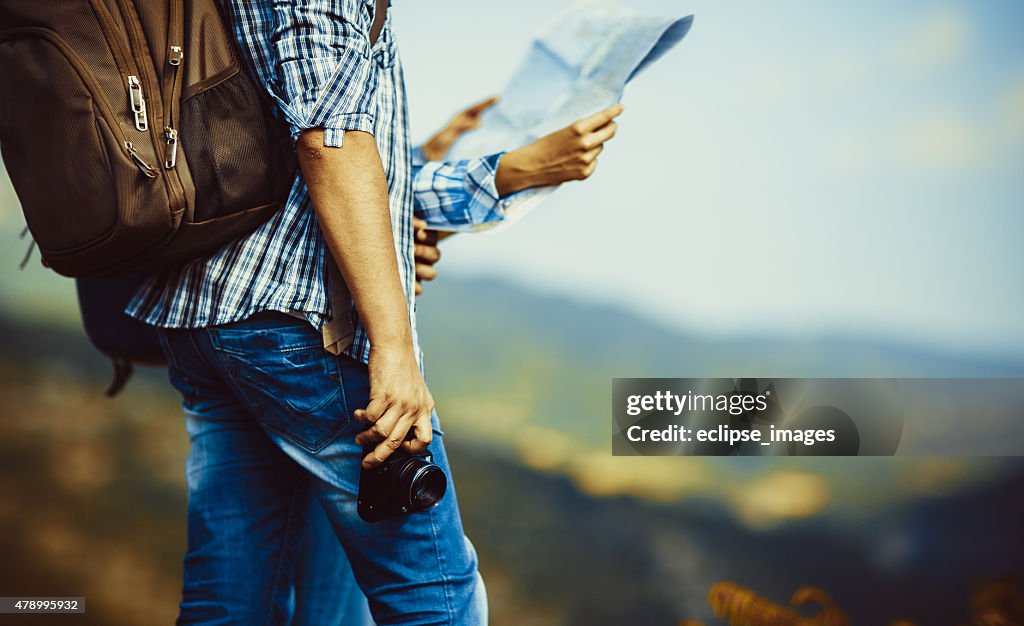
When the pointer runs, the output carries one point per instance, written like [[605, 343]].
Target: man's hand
[[426, 252], [464, 121], [399, 401], [349, 191], [564, 155]]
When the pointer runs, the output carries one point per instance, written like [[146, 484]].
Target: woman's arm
[[567, 154], [457, 195], [564, 155]]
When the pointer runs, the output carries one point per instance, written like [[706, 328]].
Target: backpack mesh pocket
[[237, 160]]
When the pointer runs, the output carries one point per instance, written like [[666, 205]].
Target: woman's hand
[[427, 254], [564, 155], [463, 122]]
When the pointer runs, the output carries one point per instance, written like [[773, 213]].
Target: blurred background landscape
[[823, 191], [93, 489]]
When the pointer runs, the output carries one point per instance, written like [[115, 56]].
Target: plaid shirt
[[458, 194], [315, 60]]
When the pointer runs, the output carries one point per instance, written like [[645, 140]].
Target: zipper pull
[[144, 167], [176, 55], [171, 149], [138, 103]]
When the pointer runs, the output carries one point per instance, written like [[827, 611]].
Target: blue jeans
[[269, 417], [326, 593]]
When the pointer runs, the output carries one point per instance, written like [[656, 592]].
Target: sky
[[790, 168]]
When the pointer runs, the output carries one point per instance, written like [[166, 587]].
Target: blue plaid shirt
[[316, 61], [457, 194]]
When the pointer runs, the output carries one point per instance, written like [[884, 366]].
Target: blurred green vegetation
[[93, 490]]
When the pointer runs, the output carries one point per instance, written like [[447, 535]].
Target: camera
[[404, 483]]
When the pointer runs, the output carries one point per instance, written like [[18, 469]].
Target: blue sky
[[790, 168]]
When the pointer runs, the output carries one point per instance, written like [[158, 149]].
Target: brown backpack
[[131, 133]]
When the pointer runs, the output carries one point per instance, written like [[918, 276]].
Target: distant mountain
[[91, 477], [478, 314], [499, 349]]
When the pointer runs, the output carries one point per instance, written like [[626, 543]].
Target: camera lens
[[428, 488], [424, 482]]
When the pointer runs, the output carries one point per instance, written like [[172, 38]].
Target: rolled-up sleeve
[[325, 73], [457, 195]]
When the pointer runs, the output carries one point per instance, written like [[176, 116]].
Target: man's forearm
[[349, 191]]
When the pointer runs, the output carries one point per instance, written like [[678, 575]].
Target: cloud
[[937, 39], [949, 139], [939, 140], [1014, 109]]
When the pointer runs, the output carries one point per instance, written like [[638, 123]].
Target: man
[[285, 377], [325, 592], [271, 415]]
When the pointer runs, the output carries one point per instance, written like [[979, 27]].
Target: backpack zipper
[[171, 148], [125, 63], [171, 75], [138, 102], [137, 41], [144, 167]]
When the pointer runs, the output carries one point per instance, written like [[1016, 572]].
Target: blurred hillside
[[94, 498], [552, 359]]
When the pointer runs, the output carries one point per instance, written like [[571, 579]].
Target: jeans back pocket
[[286, 378]]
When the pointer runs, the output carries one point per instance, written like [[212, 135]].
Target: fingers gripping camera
[[404, 483]]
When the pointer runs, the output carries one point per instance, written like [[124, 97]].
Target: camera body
[[404, 483]]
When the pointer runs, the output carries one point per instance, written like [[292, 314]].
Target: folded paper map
[[578, 64]]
